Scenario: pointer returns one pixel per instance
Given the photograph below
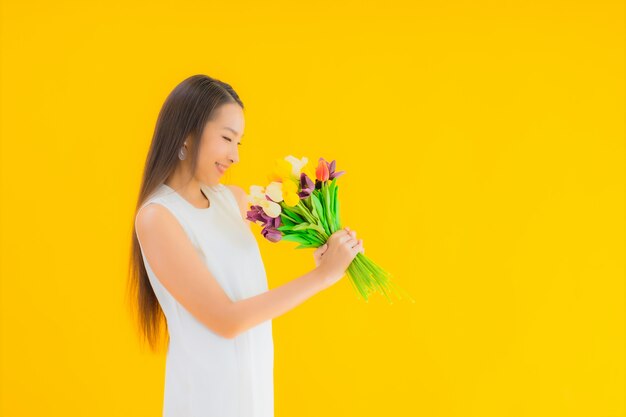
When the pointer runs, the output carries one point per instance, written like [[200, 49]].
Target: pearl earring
[[182, 153]]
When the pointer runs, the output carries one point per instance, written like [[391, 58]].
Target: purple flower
[[332, 173], [271, 234], [306, 185], [256, 214], [270, 224]]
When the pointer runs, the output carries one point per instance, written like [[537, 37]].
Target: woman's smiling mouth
[[221, 168]]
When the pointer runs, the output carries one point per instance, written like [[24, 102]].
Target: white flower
[[257, 193], [271, 209], [297, 164], [257, 198], [275, 191]]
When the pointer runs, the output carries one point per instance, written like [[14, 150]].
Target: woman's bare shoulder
[[241, 197], [153, 215], [176, 264]]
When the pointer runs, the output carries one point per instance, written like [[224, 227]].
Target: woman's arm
[[182, 272], [252, 311]]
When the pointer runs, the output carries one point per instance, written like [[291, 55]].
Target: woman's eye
[[230, 140]]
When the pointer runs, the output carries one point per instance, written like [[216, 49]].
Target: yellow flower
[[282, 170], [284, 181], [309, 170], [283, 191], [290, 193]]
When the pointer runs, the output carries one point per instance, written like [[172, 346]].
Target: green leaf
[[321, 212], [314, 211], [336, 207], [338, 214], [302, 226], [286, 221], [307, 203], [327, 213], [295, 238], [320, 229], [318, 207], [331, 198], [291, 214]]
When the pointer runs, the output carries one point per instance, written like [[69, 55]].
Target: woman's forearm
[[252, 311]]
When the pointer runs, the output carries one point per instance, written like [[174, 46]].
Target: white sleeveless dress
[[207, 375]]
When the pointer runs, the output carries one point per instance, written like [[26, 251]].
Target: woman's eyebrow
[[232, 130]]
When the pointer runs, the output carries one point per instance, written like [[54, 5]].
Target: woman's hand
[[350, 242], [318, 253]]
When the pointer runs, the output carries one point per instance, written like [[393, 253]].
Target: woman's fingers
[[358, 247], [345, 238], [348, 237], [360, 241], [320, 251]]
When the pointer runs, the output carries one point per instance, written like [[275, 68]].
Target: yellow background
[[484, 148]]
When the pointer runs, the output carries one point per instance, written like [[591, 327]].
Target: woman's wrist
[[326, 278]]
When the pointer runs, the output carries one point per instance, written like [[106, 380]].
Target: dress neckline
[[207, 190]]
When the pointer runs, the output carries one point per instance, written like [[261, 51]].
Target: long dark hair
[[184, 115]]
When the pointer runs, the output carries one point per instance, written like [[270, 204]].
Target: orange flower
[[321, 172]]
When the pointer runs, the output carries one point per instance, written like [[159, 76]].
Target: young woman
[[196, 266]]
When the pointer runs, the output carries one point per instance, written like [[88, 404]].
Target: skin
[[219, 144], [183, 273]]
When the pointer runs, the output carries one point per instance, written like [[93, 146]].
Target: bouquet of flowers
[[294, 208]]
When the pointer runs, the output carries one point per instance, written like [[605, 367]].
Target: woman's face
[[220, 143]]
